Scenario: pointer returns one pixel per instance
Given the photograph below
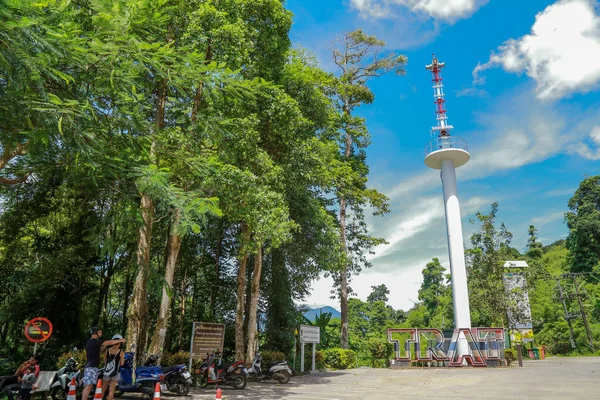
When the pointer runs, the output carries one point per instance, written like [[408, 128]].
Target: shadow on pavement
[[268, 390]]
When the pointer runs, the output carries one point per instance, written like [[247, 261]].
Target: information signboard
[[310, 334], [207, 338]]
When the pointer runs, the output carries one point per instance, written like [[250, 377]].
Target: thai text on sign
[[208, 338]]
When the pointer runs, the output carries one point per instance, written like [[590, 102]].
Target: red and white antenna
[[442, 128]]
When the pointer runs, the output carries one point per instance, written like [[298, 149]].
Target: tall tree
[[379, 292], [358, 57], [534, 248], [485, 269], [583, 221]]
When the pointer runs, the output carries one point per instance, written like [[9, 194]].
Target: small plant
[[339, 358], [78, 355], [510, 355], [181, 357]]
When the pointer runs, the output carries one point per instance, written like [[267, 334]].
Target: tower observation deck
[[444, 146]]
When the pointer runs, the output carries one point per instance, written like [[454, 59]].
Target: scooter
[[60, 388], [146, 379], [177, 378], [279, 370], [213, 371]]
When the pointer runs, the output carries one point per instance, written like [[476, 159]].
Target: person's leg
[[11, 389], [8, 380], [90, 379], [111, 392], [104, 386], [86, 391]]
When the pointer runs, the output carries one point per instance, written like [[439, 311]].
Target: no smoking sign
[[38, 330]]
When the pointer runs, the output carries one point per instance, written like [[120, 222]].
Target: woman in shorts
[[113, 360]]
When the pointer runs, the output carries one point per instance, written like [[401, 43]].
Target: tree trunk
[[343, 278], [217, 272], [173, 246], [252, 311], [182, 301], [127, 290], [239, 310], [137, 325], [344, 244]]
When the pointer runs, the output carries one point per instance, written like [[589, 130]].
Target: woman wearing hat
[[113, 360]]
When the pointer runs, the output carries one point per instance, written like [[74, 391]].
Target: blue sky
[[521, 82]]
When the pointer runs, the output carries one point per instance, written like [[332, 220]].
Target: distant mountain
[[313, 313]]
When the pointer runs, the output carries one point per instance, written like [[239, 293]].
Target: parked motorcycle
[[60, 387], [279, 370], [146, 378], [176, 377], [213, 371]]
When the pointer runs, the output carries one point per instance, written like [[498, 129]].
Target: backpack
[[112, 364]]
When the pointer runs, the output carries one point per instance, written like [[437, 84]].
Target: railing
[[445, 142]]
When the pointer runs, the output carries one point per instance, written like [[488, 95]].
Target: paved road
[[553, 378]]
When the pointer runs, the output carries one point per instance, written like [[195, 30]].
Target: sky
[[522, 82]]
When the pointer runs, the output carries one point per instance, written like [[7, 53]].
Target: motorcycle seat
[[171, 368], [271, 365]]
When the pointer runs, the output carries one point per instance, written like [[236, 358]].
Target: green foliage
[[337, 358], [378, 293], [380, 351], [583, 221], [78, 355], [270, 356], [510, 355], [180, 357], [485, 269]]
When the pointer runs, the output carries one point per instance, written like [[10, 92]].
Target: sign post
[[309, 334], [206, 339], [38, 330]]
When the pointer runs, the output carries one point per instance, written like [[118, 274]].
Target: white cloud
[[472, 91], [546, 219], [444, 10], [561, 53], [589, 151], [403, 286]]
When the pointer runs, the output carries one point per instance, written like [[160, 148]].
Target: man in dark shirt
[[93, 349]]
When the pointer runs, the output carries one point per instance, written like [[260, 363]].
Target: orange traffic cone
[[98, 393], [219, 396], [72, 386], [157, 391]]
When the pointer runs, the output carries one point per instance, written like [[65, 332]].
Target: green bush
[[379, 351], [270, 356], [319, 359], [337, 358], [78, 355], [510, 355], [181, 357]]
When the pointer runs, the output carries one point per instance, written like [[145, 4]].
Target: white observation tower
[[447, 153]]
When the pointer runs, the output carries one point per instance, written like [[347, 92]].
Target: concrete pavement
[[553, 378]]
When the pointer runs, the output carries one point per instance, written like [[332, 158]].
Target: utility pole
[[583, 316], [568, 316]]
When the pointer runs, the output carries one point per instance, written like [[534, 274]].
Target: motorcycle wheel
[[202, 381], [238, 381], [58, 393], [182, 387], [147, 393], [252, 376], [282, 376]]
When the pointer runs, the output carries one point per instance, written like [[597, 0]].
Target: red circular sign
[[38, 330]]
